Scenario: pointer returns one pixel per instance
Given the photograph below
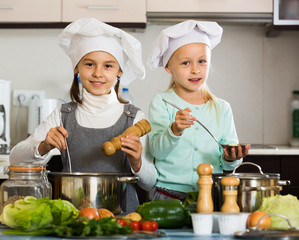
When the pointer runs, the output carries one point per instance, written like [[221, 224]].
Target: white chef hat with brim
[[87, 35], [173, 37]]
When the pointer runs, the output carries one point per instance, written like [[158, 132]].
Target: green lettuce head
[[286, 205], [31, 214]]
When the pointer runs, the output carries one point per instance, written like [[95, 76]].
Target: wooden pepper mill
[[139, 129], [230, 192], [205, 182]]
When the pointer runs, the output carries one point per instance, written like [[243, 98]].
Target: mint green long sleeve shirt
[[177, 157]]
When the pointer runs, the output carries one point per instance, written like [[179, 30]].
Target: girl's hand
[[183, 120], [133, 147], [55, 139], [233, 156]]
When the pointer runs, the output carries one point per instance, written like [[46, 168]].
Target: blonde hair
[[207, 95]]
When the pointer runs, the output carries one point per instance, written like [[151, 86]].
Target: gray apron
[[85, 148]]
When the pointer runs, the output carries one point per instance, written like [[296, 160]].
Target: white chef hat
[[86, 35], [173, 37]]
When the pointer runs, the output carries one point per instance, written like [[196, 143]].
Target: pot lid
[[253, 175], [259, 175], [249, 175]]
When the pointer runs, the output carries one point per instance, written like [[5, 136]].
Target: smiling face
[[189, 66], [98, 72]]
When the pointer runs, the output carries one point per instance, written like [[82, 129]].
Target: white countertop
[[257, 149]]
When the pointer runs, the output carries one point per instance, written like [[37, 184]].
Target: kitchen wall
[[254, 73]]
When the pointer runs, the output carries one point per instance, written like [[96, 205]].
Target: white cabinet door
[[30, 11], [105, 10], [221, 6]]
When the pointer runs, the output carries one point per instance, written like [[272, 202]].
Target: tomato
[[122, 222], [254, 217], [89, 212], [135, 225], [154, 225], [147, 226]]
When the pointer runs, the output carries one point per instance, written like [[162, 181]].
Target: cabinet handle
[[102, 8], [6, 7]]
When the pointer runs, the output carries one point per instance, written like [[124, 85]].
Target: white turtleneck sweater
[[95, 112]]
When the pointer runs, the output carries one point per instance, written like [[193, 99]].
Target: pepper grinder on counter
[[205, 182], [138, 129], [230, 192]]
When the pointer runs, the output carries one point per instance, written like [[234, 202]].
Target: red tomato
[[135, 225], [89, 212], [154, 225], [147, 226], [122, 222]]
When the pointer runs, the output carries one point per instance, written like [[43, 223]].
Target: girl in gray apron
[[104, 57]]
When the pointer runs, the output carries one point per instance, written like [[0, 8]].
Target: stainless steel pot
[[99, 190], [252, 189]]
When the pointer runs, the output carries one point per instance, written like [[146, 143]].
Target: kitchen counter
[[186, 234], [259, 149]]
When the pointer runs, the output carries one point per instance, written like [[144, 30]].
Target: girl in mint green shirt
[[178, 143]]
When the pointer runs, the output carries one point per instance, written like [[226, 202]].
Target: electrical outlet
[[26, 95]]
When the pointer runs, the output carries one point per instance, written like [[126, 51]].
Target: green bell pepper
[[167, 213]]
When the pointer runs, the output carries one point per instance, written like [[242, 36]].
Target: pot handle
[[261, 188], [248, 163], [130, 179], [284, 182]]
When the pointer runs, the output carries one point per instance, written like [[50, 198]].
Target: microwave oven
[[286, 12]]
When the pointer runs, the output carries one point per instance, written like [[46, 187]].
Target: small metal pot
[[99, 190], [252, 189]]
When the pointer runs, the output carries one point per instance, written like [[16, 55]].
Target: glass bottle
[[294, 140], [25, 180]]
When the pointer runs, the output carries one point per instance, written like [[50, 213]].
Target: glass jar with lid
[[25, 180]]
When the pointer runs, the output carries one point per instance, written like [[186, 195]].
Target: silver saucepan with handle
[[99, 190], [252, 189]]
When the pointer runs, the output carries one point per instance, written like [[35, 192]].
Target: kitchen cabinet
[[229, 11], [59, 13], [289, 171], [105, 10], [229, 6], [30, 11]]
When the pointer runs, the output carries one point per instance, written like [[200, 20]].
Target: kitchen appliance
[[99, 190], [4, 116], [39, 110], [286, 12], [252, 189]]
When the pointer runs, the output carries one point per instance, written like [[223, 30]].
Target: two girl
[[104, 57]]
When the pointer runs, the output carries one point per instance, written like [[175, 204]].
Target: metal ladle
[[172, 104], [67, 150]]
